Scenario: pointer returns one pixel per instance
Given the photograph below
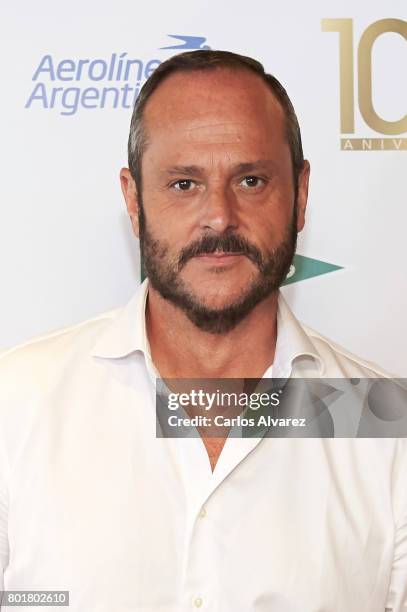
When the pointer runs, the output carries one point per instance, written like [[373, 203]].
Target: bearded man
[[91, 501]]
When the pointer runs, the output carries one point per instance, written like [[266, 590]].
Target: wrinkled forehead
[[218, 106]]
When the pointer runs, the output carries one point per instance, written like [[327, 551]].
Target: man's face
[[216, 218]]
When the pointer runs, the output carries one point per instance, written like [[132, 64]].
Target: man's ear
[[129, 190], [302, 198]]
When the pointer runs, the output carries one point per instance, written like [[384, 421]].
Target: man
[[91, 501]]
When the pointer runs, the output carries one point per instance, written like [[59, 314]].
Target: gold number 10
[[369, 36]]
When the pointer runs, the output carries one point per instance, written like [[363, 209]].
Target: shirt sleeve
[[397, 595]]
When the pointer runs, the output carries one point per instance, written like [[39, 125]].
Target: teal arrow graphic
[[306, 267]]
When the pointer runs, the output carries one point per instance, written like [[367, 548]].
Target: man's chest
[[213, 448], [119, 517]]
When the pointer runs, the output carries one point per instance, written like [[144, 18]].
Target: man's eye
[[183, 185], [252, 181]]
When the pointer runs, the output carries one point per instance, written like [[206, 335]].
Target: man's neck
[[179, 349]]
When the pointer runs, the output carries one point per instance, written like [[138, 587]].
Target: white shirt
[[92, 502]]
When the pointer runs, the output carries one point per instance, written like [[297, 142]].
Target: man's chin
[[217, 303], [218, 314]]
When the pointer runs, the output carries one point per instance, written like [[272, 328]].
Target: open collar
[[126, 333]]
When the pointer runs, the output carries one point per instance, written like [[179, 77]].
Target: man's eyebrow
[[193, 170], [259, 164], [186, 170]]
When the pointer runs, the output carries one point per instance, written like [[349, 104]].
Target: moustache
[[229, 243]]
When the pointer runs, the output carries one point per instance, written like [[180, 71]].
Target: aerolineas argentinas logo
[[68, 85], [360, 79]]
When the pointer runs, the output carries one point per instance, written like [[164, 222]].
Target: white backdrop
[[66, 247]]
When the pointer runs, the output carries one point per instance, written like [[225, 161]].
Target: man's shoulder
[[41, 355], [340, 362]]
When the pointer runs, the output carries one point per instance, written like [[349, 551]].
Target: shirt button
[[202, 513], [198, 602]]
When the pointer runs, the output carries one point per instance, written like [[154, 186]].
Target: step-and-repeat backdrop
[[70, 75]]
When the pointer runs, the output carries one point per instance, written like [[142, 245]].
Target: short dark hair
[[199, 60]]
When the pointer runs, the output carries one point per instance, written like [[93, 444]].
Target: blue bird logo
[[189, 42]]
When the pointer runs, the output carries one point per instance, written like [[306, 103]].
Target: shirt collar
[[293, 344], [126, 334]]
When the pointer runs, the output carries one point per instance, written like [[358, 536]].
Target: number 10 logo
[[364, 74]]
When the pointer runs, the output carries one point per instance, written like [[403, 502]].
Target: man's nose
[[219, 210]]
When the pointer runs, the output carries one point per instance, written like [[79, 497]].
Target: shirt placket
[[199, 586]]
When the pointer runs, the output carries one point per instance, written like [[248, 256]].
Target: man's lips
[[219, 257]]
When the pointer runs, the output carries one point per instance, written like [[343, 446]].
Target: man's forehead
[[203, 132], [212, 100]]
